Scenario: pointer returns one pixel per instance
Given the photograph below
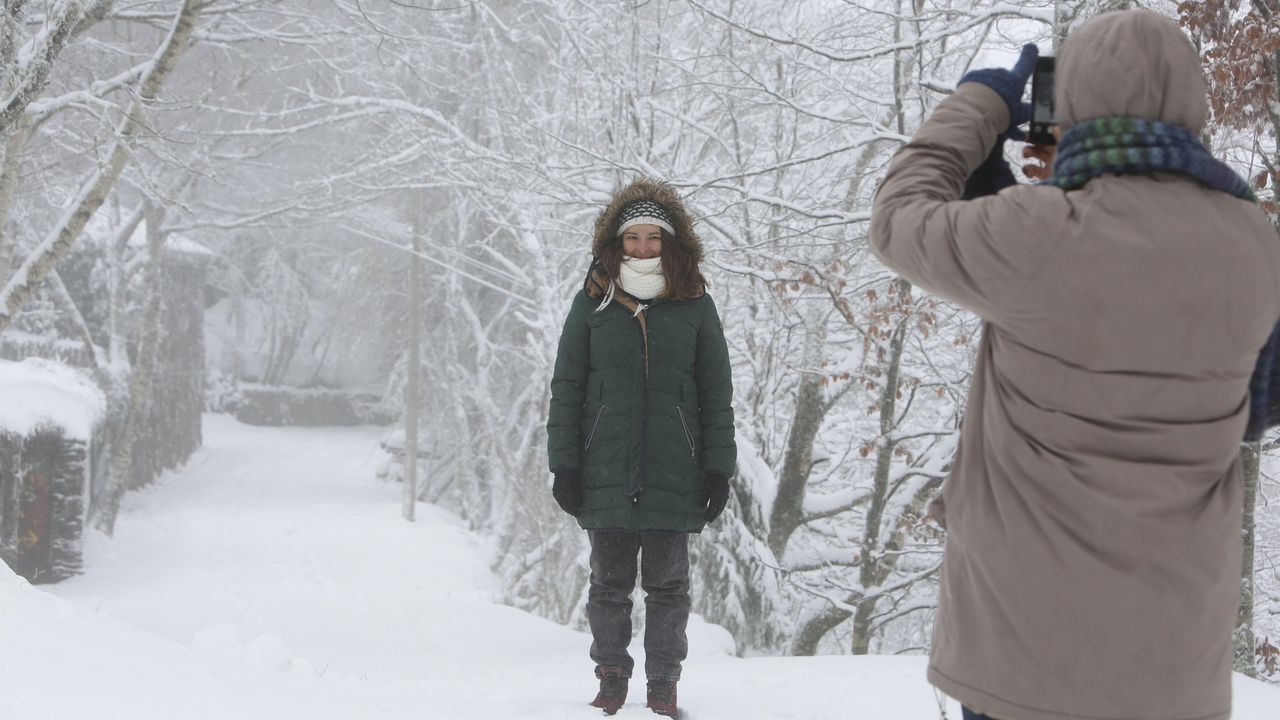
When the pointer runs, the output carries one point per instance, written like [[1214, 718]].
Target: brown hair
[[684, 279]]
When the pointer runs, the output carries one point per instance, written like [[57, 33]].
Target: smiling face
[[642, 241]]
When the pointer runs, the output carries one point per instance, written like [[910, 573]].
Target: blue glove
[[1010, 85]]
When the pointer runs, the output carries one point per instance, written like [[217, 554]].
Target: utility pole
[[412, 394]]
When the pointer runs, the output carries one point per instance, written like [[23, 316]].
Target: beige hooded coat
[[1093, 510]]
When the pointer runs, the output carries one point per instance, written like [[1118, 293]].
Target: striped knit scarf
[[1123, 146], [1129, 146]]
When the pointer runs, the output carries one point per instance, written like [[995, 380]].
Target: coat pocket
[[688, 436], [595, 424]]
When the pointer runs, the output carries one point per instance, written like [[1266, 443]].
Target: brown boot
[[662, 696], [613, 689]]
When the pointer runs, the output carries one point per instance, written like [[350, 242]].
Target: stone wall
[[42, 503], [172, 428], [47, 481], [264, 405]]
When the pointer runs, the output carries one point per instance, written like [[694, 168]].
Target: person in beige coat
[[1093, 511]]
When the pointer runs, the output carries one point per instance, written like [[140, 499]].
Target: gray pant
[[664, 575]]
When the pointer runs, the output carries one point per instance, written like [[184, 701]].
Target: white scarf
[[643, 279]]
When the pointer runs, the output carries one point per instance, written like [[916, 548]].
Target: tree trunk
[[816, 627], [52, 249], [787, 513], [14, 144], [67, 306], [117, 290], [788, 507], [871, 571], [871, 568], [139, 383], [1245, 661]]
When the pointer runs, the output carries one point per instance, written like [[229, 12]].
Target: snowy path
[[272, 578]]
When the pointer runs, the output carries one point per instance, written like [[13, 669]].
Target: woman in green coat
[[640, 433]]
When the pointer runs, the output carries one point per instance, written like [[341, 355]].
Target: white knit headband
[[647, 220], [645, 212]]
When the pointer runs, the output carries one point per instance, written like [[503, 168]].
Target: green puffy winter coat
[[641, 406]]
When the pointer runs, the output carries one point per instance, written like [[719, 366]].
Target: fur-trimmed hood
[[645, 188]]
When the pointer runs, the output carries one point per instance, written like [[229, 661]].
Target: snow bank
[[40, 392], [61, 661]]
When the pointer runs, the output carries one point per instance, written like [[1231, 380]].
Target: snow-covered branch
[[42, 260]]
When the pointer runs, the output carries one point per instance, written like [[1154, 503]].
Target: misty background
[[349, 212]]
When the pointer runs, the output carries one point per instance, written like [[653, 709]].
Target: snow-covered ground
[[272, 578]]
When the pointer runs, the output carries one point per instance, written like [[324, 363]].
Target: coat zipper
[[591, 435], [643, 319], [688, 436]]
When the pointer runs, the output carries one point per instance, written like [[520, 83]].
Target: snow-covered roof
[[179, 244], [37, 392], [101, 230]]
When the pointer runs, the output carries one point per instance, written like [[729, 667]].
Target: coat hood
[[1133, 63], [606, 228]]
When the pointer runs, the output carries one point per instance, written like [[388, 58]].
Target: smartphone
[[1042, 119]]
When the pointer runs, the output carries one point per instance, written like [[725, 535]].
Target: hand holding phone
[[1042, 108], [1042, 156]]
